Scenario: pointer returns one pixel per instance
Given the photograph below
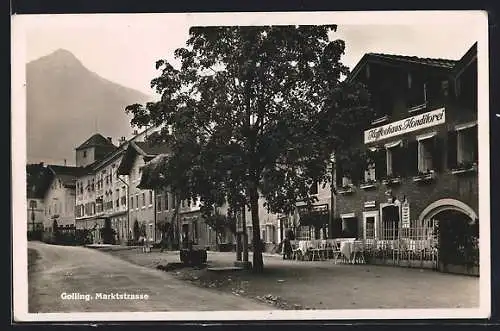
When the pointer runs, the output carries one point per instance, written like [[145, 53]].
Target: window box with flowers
[[464, 167], [368, 184], [346, 189], [425, 176], [392, 180]]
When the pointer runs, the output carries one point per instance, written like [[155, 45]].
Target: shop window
[[349, 227]]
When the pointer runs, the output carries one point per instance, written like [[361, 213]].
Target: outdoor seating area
[[340, 250]]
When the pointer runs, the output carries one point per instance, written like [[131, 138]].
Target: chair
[[335, 249], [358, 255]]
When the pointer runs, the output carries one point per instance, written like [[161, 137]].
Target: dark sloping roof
[[149, 149], [144, 149], [442, 63], [96, 140], [151, 178], [393, 59]]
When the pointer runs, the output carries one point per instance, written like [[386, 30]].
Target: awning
[[393, 144], [426, 136], [464, 126]]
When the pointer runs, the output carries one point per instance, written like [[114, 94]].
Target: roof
[[469, 57], [393, 59], [96, 140], [145, 149], [152, 150], [151, 178], [68, 174]]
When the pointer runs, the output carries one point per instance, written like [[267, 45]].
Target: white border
[[475, 19]]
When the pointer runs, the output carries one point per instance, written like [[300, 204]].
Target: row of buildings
[[419, 165]]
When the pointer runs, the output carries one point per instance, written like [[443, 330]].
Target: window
[[426, 152], [150, 198], [417, 92], [131, 202], [370, 228], [166, 200], [343, 175], [143, 199], [395, 159], [137, 201], [84, 153], [463, 146], [182, 203]]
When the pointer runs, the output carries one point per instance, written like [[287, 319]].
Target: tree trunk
[[258, 263]]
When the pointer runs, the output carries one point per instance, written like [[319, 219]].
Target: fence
[[411, 247]]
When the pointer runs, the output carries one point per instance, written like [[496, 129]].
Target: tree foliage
[[253, 112]]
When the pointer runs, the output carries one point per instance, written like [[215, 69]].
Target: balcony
[[465, 168], [425, 177]]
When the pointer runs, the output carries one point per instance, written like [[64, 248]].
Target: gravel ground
[[323, 284]]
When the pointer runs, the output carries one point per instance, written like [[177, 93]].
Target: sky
[[124, 48]]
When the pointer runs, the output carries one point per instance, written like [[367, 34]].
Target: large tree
[[253, 112]]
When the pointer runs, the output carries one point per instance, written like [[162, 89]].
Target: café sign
[[406, 125]]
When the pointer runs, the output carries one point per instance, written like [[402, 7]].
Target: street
[[62, 269]]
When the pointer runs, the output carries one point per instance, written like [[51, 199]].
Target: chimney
[[110, 139], [135, 133], [64, 162], [122, 140]]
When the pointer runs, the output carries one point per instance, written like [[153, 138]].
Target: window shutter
[[339, 174], [452, 149], [412, 157], [380, 164], [437, 154]]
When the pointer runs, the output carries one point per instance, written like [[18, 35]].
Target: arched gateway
[[458, 234], [446, 204]]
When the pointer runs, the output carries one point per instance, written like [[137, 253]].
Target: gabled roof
[[96, 140], [150, 178], [392, 59], [469, 57], [67, 174], [140, 148]]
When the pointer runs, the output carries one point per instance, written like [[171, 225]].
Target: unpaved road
[[61, 269]]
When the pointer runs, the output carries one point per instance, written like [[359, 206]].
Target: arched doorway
[[457, 232]]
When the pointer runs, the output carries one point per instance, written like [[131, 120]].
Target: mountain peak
[[60, 57]]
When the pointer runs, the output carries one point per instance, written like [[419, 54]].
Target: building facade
[[142, 206], [59, 198], [419, 157]]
